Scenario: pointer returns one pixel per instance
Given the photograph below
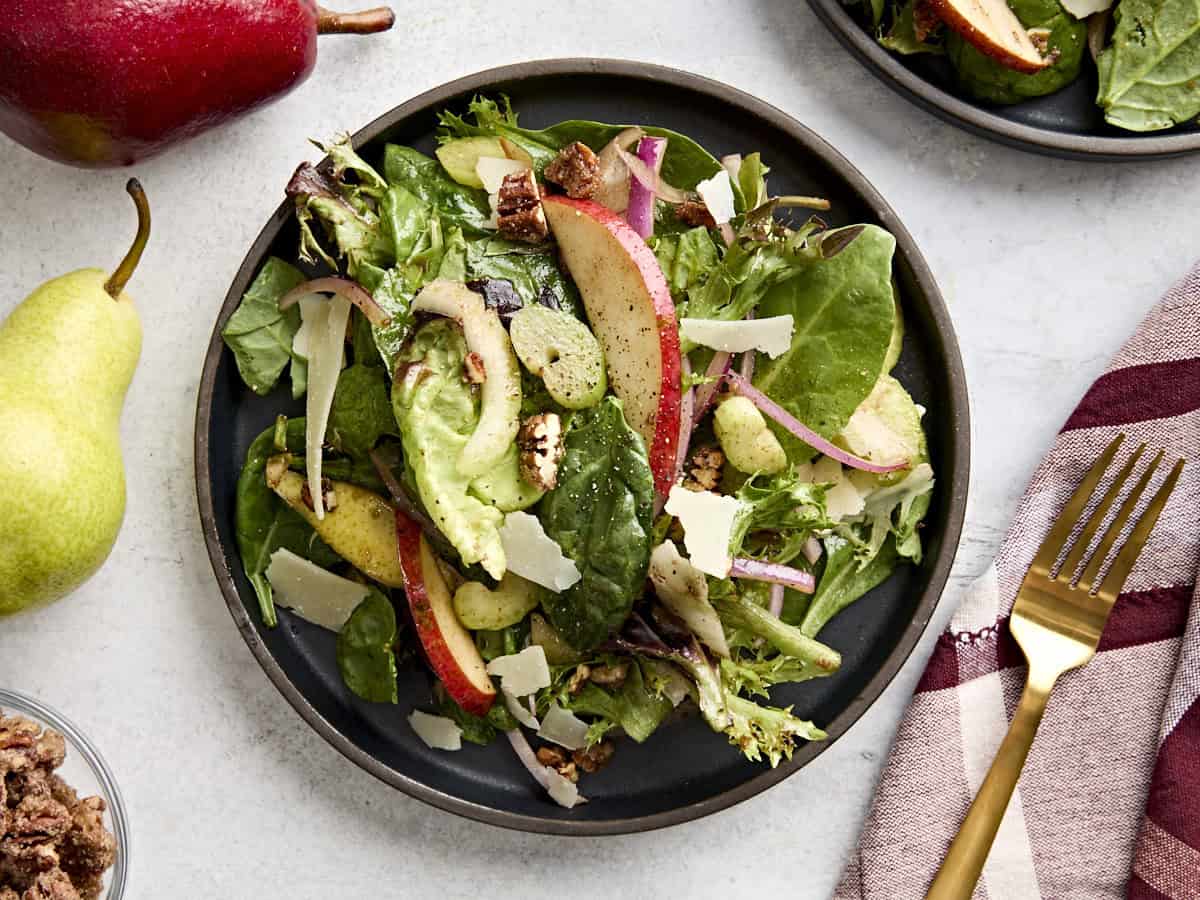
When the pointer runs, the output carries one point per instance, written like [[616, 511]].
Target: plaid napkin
[[1109, 801]]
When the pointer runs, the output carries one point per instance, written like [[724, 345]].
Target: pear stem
[[368, 21], [117, 281]]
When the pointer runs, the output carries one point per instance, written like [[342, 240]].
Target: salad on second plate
[[610, 424], [1146, 52]]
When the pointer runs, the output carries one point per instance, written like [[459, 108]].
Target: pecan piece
[[925, 19], [595, 757], [327, 491], [557, 760], [474, 371], [578, 678], [610, 676], [519, 209], [88, 848], [51, 885], [695, 213], [540, 442], [704, 469], [576, 169]]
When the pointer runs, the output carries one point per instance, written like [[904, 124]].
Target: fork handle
[[964, 862]]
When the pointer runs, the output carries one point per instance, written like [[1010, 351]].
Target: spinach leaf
[[633, 706], [532, 271], [601, 516], [983, 77], [843, 309], [263, 523], [476, 729], [364, 650], [902, 37], [1150, 71], [845, 580], [392, 292], [424, 177], [259, 335], [875, 7], [405, 219], [362, 410], [362, 341], [685, 165], [686, 260]]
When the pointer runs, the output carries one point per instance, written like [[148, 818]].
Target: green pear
[[67, 355]]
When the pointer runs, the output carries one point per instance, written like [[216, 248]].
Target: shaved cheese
[[521, 673], [519, 712], [683, 590], [309, 314], [707, 520], [773, 335], [533, 555], [827, 470], [437, 732], [563, 791], [717, 194], [311, 592], [491, 171], [563, 727], [326, 348], [843, 500], [493, 221], [1081, 9]]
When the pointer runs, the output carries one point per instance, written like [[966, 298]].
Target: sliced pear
[[994, 30], [459, 157], [478, 606], [360, 526]]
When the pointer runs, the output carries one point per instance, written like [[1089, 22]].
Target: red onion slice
[[775, 607], [650, 179], [741, 386], [717, 370], [811, 550], [640, 214], [773, 573], [342, 287]]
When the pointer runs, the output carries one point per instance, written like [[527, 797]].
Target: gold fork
[[1057, 622]]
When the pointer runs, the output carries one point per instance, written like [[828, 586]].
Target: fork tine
[[1065, 523], [1071, 563], [1123, 564], [1118, 525]]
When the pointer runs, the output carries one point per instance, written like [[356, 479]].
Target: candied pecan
[[579, 678], [576, 169], [7, 893], [18, 743], [52, 885], [559, 761], [610, 676], [474, 371], [594, 758], [519, 208], [37, 819], [88, 847], [695, 213], [62, 792], [540, 442], [925, 19], [704, 469]]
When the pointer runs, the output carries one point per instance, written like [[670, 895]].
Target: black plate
[[685, 770], [1068, 123]]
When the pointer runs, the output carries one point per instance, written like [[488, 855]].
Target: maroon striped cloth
[[1109, 801]]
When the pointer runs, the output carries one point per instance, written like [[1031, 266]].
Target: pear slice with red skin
[[449, 647], [631, 312], [994, 30]]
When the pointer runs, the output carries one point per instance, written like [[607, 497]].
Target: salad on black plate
[[595, 425], [1146, 52]]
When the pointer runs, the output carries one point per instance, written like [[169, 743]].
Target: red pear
[[100, 83]]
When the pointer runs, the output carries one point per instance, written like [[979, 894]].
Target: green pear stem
[[368, 21], [117, 281]]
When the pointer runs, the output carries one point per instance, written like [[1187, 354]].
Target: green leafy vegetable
[[533, 272], [364, 650], [738, 611], [752, 179], [263, 523], [1150, 71], [902, 36], [260, 335], [476, 729], [421, 175], [601, 516], [686, 259], [784, 507], [633, 707], [843, 311], [983, 77], [362, 410], [768, 731], [845, 579]]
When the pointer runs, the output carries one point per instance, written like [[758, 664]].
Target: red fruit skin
[[99, 83], [663, 449]]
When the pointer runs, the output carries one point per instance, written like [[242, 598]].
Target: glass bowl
[[87, 772]]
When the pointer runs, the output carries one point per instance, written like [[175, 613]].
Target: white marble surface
[[1047, 266]]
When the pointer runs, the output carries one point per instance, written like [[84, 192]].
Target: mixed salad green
[[609, 422], [1147, 52]]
